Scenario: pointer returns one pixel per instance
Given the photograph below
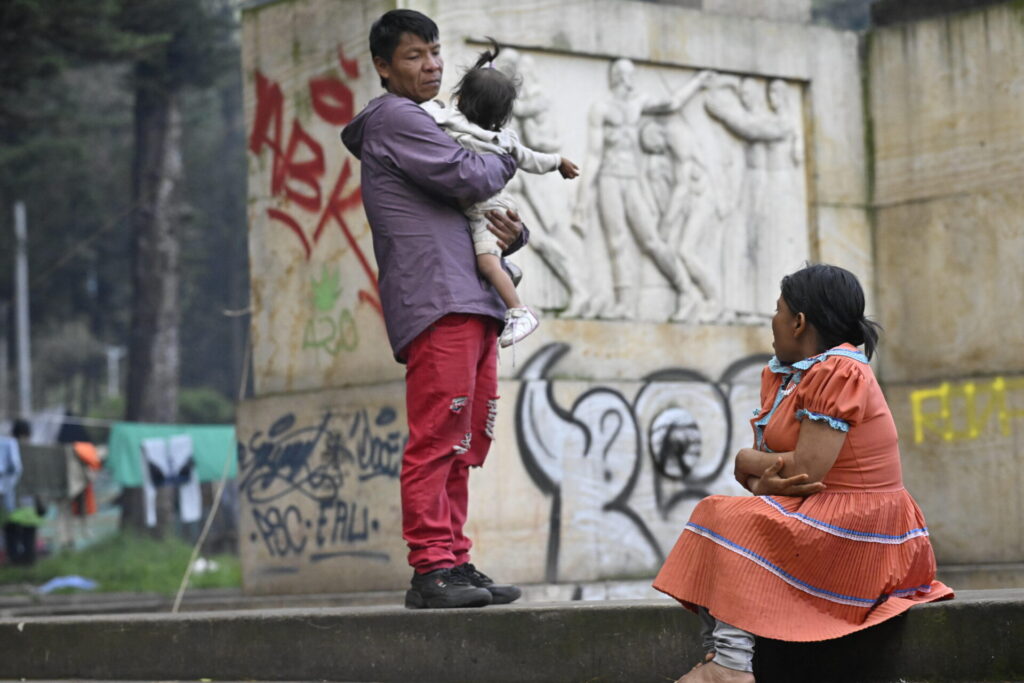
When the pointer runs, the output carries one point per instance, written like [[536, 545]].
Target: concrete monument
[[655, 281]]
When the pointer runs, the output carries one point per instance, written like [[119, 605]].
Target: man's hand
[[568, 169], [506, 227], [771, 484]]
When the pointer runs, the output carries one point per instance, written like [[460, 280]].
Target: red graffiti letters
[[298, 165]]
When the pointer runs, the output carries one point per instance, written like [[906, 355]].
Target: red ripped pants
[[451, 395]]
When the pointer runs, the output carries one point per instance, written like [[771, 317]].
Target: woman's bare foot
[[709, 672], [707, 658]]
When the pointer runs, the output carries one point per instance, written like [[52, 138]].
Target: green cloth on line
[[25, 516], [210, 445]]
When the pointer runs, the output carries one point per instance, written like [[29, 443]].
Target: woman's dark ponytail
[[869, 331]]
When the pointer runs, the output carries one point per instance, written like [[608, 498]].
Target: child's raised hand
[[568, 169]]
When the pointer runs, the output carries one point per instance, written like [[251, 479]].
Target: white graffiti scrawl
[[623, 475]]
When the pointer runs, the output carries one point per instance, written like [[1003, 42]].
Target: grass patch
[[129, 563]]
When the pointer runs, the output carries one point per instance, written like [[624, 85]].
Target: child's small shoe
[[519, 323]]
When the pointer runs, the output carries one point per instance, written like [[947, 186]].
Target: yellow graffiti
[[964, 411]]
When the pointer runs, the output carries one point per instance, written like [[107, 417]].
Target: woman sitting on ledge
[[831, 542]]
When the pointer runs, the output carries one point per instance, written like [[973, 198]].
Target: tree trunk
[[153, 354]]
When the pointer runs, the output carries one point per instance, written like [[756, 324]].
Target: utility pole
[[21, 310], [114, 356]]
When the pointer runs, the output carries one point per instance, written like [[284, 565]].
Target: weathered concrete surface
[[946, 102], [947, 113], [967, 431], [972, 638]]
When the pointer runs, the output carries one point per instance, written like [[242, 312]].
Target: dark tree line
[[121, 130]]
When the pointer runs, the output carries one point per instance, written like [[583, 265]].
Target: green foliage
[[68, 69], [41, 38], [128, 563], [200, 405], [189, 41], [204, 405]]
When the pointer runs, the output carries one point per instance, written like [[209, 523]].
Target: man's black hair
[[386, 33], [486, 94], [833, 301], [21, 429]]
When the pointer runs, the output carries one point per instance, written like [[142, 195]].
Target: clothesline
[[94, 421]]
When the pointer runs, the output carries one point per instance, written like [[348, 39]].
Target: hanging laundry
[[211, 444], [10, 473], [88, 456], [170, 462]]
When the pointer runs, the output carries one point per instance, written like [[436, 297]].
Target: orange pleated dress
[[829, 564]]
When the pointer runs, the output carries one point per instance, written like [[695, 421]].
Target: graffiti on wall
[[305, 484], [968, 410], [331, 328], [309, 201], [623, 475]]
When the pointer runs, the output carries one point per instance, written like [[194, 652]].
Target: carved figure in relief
[[699, 238], [690, 210], [659, 167], [784, 188], [537, 129], [754, 246], [615, 184]]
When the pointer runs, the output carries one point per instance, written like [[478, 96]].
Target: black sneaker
[[444, 588], [501, 593]]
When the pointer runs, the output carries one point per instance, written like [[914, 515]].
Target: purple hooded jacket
[[413, 178]]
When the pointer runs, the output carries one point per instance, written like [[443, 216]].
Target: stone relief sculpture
[[613, 183], [693, 191], [767, 241], [537, 130], [689, 207]]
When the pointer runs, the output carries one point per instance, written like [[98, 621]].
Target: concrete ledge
[[25, 603], [976, 637]]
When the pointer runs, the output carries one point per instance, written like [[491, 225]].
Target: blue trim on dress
[[780, 368], [796, 373], [763, 422], [792, 580], [833, 422], [890, 539], [778, 571]]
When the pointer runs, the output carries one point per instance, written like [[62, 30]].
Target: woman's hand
[[770, 483], [506, 226], [751, 463]]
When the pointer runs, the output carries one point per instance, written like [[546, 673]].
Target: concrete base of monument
[[15, 603], [971, 638], [20, 604]]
